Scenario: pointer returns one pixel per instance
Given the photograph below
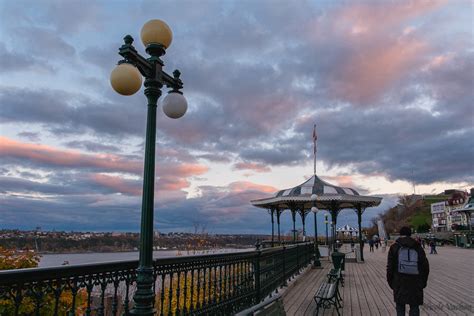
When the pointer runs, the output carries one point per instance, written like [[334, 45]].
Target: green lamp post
[[314, 209], [126, 79], [326, 222]]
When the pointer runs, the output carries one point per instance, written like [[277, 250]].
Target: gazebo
[[319, 195], [348, 230]]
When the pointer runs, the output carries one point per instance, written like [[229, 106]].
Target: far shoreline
[[133, 250]]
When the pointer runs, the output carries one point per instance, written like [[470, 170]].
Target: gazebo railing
[[218, 284]]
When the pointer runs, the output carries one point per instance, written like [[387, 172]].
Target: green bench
[[328, 293], [337, 273]]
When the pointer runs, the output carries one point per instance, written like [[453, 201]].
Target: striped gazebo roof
[[327, 194], [315, 185]]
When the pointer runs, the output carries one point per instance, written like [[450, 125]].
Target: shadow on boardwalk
[[450, 289]]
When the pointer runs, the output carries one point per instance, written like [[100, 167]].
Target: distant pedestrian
[[407, 273], [377, 244], [433, 248], [371, 245]]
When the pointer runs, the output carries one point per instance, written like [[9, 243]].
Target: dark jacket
[[407, 289]]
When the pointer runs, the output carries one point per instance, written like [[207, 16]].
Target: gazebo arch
[[329, 197]]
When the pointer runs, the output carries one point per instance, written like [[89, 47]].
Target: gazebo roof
[[347, 228], [327, 194], [315, 185]]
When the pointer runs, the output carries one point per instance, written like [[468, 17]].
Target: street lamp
[[326, 222], [314, 209], [333, 236], [126, 79]]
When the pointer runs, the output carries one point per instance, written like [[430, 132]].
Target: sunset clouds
[[46, 155], [388, 83]]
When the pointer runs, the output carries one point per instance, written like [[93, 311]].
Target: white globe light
[[314, 209], [313, 197], [175, 105]]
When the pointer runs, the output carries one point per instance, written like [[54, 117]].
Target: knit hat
[[405, 231]]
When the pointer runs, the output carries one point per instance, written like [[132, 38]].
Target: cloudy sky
[[388, 83]]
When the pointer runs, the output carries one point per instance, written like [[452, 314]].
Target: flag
[[315, 137]]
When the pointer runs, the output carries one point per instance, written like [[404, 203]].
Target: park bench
[[328, 293], [337, 273]]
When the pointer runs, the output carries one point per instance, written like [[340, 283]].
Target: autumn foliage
[[11, 259]]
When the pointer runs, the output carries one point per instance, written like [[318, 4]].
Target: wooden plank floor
[[450, 289]]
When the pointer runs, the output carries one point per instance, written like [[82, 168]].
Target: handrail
[[204, 284]]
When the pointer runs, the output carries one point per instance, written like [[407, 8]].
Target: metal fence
[[218, 284]]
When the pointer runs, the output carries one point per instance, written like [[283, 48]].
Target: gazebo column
[[303, 214], [359, 211], [271, 211], [278, 213], [334, 212], [293, 217]]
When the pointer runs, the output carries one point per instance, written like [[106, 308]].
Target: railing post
[[257, 278], [284, 266], [297, 259]]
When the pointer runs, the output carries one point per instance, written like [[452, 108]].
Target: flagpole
[[314, 147], [314, 158]]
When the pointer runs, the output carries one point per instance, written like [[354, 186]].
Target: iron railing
[[218, 284]]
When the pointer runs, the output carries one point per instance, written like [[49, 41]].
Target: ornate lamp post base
[[317, 255], [144, 295]]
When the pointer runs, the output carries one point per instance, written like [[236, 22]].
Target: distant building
[[446, 215], [439, 216]]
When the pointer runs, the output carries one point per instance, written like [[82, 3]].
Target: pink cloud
[[251, 166], [172, 184], [133, 187], [171, 176], [369, 73], [174, 176], [242, 186], [67, 158], [342, 180], [231, 203], [117, 184], [379, 45], [366, 19]]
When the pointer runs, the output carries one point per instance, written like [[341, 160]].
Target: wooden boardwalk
[[450, 289]]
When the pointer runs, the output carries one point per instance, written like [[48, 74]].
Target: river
[[53, 260]]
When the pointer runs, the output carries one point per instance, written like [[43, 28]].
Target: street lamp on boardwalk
[[326, 222], [126, 79], [314, 209]]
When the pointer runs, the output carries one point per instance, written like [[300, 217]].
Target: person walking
[[433, 248], [407, 273], [371, 245]]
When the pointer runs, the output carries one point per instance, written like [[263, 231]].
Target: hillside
[[411, 210]]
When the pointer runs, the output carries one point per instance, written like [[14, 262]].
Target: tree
[[11, 259]]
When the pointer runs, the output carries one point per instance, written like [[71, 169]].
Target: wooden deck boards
[[450, 289]]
